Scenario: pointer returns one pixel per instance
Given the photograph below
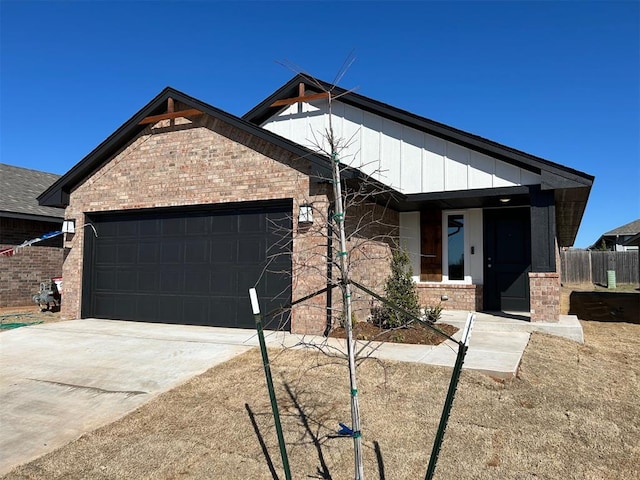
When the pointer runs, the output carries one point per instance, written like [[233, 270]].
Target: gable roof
[[19, 189], [263, 111], [630, 228], [610, 237], [58, 194], [571, 187], [633, 241]]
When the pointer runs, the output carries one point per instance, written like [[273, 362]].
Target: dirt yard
[[573, 412], [594, 302], [12, 317]]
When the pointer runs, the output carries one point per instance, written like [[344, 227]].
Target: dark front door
[[507, 262], [188, 266]]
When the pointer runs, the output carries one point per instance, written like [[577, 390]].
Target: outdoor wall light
[[305, 215], [505, 200], [69, 226]]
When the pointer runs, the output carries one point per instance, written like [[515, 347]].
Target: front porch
[[568, 326]]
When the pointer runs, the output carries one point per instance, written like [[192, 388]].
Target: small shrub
[[399, 289], [433, 314]]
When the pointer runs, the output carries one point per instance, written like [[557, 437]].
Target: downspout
[[329, 303]]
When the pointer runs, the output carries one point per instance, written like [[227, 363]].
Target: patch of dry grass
[[572, 413]]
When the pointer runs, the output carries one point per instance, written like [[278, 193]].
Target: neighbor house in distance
[[619, 239], [23, 219]]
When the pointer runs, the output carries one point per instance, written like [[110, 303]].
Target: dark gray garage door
[[188, 266]]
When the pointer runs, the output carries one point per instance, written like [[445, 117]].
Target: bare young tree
[[349, 241], [352, 229]]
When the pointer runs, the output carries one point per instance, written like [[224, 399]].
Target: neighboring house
[[189, 202], [634, 242], [617, 240], [22, 219]]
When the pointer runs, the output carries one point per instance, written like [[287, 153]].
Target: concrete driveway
[[60, 380]]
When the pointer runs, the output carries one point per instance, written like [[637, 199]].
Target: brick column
[[544, 289]]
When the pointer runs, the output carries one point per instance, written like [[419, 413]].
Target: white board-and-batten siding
[[402, 157]]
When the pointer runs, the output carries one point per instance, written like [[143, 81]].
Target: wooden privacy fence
[[590, 266]]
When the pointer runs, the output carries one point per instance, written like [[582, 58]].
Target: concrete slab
[[60, 380], [492, 352], [568, 326], [495, 353]]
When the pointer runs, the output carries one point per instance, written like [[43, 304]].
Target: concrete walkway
[[496, 347], [60, 380]]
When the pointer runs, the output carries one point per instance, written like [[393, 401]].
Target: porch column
[[544, 278], [544, 288], [543, 230]]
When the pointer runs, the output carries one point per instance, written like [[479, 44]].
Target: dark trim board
[[191, 265], [543, 231]]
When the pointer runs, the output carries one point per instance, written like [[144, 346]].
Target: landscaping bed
[[415, 333]]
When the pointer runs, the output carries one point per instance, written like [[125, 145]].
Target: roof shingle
[[630, 228], [19, 189]]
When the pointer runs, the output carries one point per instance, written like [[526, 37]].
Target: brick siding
[[372, 233], [544, 289], [14, 231], [210, 162], [460, 297], [21, 274]]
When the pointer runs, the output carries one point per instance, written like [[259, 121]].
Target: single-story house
[[617, 239], [188, 206], [634, 242], [21, 220]]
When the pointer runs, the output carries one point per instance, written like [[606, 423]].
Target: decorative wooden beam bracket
[[300, 98], [190, 112]]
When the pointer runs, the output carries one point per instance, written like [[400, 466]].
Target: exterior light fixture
[[505, 200], [69, 226], [305, 215]]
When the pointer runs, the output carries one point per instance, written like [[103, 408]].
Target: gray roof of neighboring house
[[635, 240], [19, 191], [630, 228]]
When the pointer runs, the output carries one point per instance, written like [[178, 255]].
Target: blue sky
[[560, 80]]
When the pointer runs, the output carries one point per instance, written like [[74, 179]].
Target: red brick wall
[[14, 231], [544, 289], [372, 231], [21, 274], [206, 162], [460, 297]]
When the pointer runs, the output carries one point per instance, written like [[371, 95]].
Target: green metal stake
[[267, 373], [453, 385]]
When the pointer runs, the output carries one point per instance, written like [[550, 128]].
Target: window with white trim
[[455, 247], [455, 240]]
